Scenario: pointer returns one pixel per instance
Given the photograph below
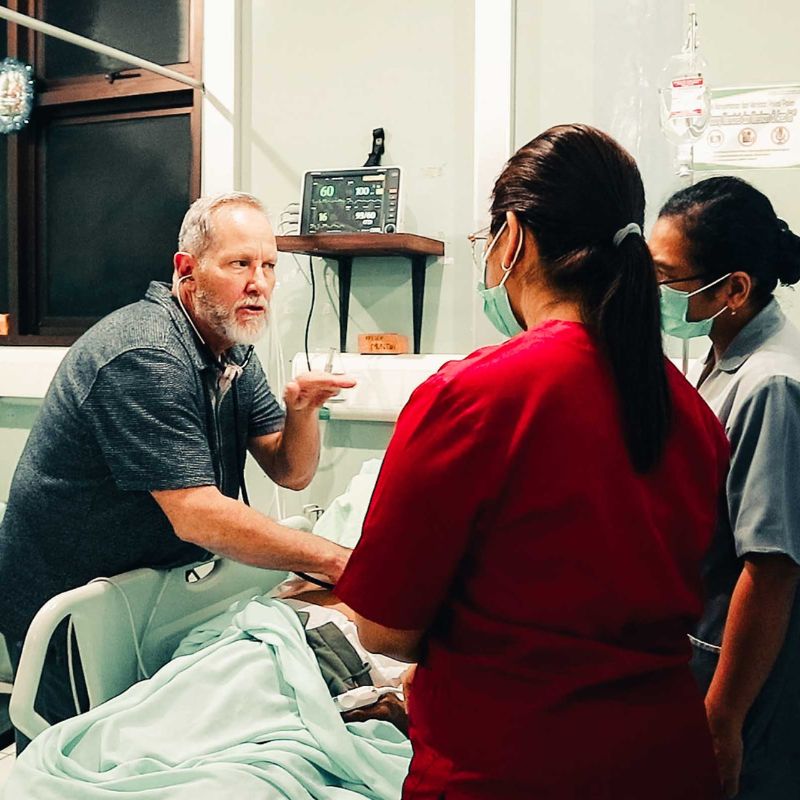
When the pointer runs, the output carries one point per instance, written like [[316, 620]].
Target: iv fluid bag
[[685, 99]]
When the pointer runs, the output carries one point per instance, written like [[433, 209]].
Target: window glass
[[115, 195], [4, 307], [157, 30]]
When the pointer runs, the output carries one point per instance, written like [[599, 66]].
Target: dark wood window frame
[[77, 101]]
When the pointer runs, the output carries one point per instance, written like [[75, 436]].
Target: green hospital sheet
[[241, 712]]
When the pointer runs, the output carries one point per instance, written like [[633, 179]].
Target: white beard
[[222, 318]]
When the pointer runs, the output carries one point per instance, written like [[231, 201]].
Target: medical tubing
[[316, 581]]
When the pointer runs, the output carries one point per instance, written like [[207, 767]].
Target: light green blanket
[[244, 713], [344, 517]]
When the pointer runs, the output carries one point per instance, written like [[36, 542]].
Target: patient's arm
[[398, 644], [402, 645], [389, 708], [309, 593]]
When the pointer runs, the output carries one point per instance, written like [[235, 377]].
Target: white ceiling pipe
[[97, 47]]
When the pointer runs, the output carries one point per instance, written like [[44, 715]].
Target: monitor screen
[[362, 200]]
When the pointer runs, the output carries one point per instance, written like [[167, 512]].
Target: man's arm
[[754, 634], [290, 456], [204, 516]]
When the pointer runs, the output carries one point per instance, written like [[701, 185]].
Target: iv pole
[[82, 41], [693, 47]]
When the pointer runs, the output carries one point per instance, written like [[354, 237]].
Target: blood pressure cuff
[[340, 664]]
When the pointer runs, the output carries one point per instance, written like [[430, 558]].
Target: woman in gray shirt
[[720, 251]]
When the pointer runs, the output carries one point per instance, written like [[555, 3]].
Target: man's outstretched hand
[[311, 389]]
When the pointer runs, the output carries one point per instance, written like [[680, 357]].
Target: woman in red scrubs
[[535, 536]]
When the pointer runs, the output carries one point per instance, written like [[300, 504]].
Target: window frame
[[79, 100]]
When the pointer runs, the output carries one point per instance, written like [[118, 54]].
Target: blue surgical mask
[[674, 307], [496, 305]]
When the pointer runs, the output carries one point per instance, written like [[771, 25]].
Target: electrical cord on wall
[[333, 298], [310, 310], [289, 225]]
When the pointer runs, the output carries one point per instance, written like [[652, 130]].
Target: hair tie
[[620, 235]]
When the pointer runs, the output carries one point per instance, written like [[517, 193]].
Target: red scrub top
[[555, 584]]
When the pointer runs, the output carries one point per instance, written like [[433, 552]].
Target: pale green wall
[[599, 63], [16, 418], [582, 60], [319, 83], [318, 78], [312, 79], [746, 46]]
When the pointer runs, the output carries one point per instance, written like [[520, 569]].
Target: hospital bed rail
[[160, 606]]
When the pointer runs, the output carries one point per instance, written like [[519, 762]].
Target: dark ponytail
[[628, 321], [574, 187], [731, 226]]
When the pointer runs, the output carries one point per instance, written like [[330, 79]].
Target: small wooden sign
[[5, 324], [382, 343]]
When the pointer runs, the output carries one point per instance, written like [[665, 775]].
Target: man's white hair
[[197, 232]]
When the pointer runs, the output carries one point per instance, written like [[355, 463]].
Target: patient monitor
[[359, 200]]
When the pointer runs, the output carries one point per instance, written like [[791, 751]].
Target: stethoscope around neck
[[229, 371]]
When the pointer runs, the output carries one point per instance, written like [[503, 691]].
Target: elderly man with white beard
[[136, 458]]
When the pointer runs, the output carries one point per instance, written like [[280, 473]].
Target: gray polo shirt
[[755, 391], [134, 407]]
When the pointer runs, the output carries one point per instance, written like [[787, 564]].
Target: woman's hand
[[728, 748], [406, 679]]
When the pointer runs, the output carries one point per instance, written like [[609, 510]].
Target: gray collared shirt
[[755, 391], [133, 408]]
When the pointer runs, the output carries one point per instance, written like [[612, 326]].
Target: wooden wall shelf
[[344, 247]]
